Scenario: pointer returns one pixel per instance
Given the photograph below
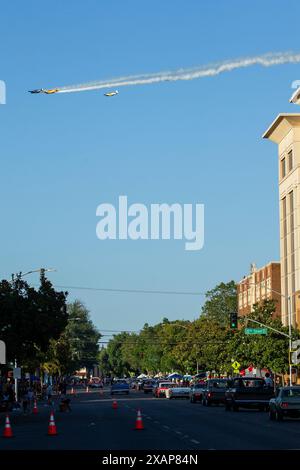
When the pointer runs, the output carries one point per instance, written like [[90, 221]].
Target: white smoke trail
[[266, 60]]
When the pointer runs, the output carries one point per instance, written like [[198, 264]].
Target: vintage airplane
[[111, 93], [42, 90]]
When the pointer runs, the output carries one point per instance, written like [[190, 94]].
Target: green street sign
[[256, 331]]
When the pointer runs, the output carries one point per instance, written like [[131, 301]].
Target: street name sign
[[256, 331]]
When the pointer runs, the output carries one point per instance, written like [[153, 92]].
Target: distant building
[[261, 284], [285, 131]]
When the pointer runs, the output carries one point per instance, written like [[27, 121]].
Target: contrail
[[266, 60]]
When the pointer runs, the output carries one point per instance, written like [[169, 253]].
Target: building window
[[283, 170], [290, 160]]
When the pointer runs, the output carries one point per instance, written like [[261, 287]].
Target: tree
[[82, 336], [220, 302], [30, 319]]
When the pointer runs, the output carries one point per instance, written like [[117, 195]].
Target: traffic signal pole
[[283, 334]]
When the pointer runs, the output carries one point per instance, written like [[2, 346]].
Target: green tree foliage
[[220, 301], [207, 342], [30, 318], [77, 346]]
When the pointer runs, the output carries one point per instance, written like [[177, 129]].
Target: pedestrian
[[25, 401], [64, 404], [268, 380], [30, 395], [49, 395]]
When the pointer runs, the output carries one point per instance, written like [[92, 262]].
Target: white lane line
[[166, 427], [194, 441], [156, 422], [148, 417], [178, 432]]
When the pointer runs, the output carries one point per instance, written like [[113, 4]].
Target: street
[[168, 425]]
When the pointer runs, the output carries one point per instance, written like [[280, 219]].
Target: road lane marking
[[194, 441], [166, 427], [178, 432]]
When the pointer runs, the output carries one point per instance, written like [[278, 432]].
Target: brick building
[[260, 284]]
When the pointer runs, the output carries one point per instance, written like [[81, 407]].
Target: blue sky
[[188, 142]]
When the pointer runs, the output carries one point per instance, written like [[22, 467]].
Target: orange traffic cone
[[139, 422], [35, 408], [52, 431], [115, 405], [73, 391], [7, 428]]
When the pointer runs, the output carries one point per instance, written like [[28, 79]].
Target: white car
[[178, 392]]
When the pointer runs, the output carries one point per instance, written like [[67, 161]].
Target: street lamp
[[39, 270]]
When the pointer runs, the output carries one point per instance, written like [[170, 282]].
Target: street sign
[[236, 371], [256, 331], [236, 366], [17, 372]]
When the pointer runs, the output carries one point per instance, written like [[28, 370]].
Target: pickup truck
[[119, 386], [248, 392]]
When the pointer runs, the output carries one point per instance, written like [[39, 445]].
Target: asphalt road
[[168, 425]]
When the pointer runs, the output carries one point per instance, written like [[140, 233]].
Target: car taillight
[[209, 394], [284, 405]]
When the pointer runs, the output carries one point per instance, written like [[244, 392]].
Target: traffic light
[[233, 320]]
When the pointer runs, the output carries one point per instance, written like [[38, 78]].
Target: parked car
[[96, 382], [178, 392], [160, 390], [148, 386], [214, 392], [119, 386], [196, 392], [248, 392], [286, 403]]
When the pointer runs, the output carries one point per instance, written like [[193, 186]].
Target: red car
[[160, 390]]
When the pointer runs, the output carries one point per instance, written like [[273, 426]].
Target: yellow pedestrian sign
[[236, 365]]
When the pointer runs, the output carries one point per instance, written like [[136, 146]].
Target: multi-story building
[[261, 284], [285, 131]]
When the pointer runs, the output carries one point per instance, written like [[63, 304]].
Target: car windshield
[[291, 393]]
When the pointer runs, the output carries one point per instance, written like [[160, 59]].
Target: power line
[[130, 291]]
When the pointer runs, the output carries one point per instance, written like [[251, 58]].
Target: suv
[[196, 392], [214, 392], [248, 392]]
